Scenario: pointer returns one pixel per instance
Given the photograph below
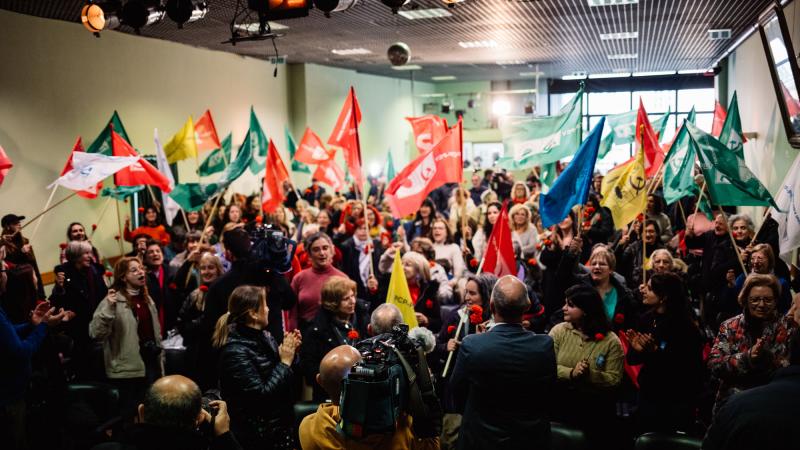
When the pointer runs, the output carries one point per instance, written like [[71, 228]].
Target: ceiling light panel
[[478, 44], [616, 36], [432, 13], [611, 2], [407, 67], [351, 51], [444, 78], [623, 56]]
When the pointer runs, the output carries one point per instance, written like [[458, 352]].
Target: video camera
[[270, 249], [392, 379]]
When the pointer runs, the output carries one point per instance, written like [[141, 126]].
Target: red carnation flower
[[548, 242], [352, 335], [109, 274], [590, 209], [532, 262], [429, 304], [476, 309], [432, 264], [451, 329], [619, 318], [259, 219], [586, 214], [373, 290], [389, 224], [640, 218], [203, 288], [62, 245], [141, 209], [173, 286], [599, 337], [473, 263], [94, 226], [539, 246], [244, 220]]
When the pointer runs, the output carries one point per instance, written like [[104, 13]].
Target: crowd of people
[[671, 323]]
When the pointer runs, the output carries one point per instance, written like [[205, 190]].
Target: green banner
[[121, 192], [623, 129], [297, 166], [679, 166], [217, 159], [731, 134], [102, 143]]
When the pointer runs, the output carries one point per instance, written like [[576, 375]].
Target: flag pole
[[211, 216], [461, 324], [46, 205], [50, 208], [100, 216], [700, 196], [185, 220], [156, 203], [360, 185], [683, 214], [119, 229]]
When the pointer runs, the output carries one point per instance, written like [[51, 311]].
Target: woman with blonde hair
[[126, 322], [255, 374], [520, 193], [524, 235], [446, 249]]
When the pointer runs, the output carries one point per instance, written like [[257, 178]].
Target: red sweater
[[308, 286]]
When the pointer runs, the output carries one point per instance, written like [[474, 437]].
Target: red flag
[[311, 149], [792, 105], [275, 174], [645, 136], [140, 173], [345, 136], [331, 174], [441, 165], [428, 130], [78, 147], [719, 119], [5, 164], [205, 133], [499, 256]]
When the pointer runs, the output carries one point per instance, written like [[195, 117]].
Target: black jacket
[[428, 305], [256, 386], [487, 385], [350, 257], [718, 258], [144, 436], [81, 294], [629, 261], [163, 296]]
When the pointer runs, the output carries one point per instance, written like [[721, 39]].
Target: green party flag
[[679, 166], [243, 160], [731, 134], [605, 145], [216, 159], [729, 181], [192, 196], [660, 124], [102, 143], [259, 144], [548, 175], [390, 172], [535, 141], [121, 192], [623, 129], [297, 166]]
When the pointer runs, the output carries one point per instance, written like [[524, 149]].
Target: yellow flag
[[399, 295], [624, 191], [182, 145]]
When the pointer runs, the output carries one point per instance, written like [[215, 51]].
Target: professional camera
[[270, 249], [392, 379]]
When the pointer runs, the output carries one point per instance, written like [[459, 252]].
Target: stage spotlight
[[398, 54], [186, 11], [97, 17], [395, 4], [329, 6], [141, 13]]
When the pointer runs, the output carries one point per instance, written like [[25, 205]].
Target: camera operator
[[319, 430], [171, 418]]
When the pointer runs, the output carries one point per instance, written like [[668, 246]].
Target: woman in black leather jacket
[[255, 375]]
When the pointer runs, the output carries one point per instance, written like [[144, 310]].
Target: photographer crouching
[[175, 416]]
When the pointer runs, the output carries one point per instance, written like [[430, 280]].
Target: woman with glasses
[[752, 345]]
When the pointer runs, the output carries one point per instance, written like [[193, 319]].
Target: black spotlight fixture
[[471, 103], [331, 6], [398, 54], [446, 107], [186, 11], [138, 14], [395, 5], [97, 16]]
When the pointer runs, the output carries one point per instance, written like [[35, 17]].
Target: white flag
[[788, 200], [88, 169], [171, 208]]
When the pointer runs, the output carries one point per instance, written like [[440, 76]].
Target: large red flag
[[345, 136], [275, 174], [91, 193], [443, 164], [137, 174], [499, 256], [719, 119], [428, 130], [205, 133], [5, 164], [330, 173], [311, 149], [647, 137]]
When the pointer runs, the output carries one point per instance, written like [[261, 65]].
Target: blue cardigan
[[18, 343]]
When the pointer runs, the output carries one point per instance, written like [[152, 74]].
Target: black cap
[[11, 219]]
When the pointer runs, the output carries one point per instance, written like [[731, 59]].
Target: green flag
[[679, 166], [244, 159], [548, 175], [731, 134], [535, 141], [217, 159], [121, 192], [192, 196], [729, 181], [623, 129], [660, 125], [259, 144], [605, 145], [297, 166], [390, 172], [102, 143]]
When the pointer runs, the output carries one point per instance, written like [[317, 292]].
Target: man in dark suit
[[502, 378]]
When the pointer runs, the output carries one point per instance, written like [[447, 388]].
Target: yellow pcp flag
[[182, 145], [399, 295], [624, 191]]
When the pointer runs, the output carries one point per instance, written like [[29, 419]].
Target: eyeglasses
[[765, 300]]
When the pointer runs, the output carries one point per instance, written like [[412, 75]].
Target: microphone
[[424, 338]]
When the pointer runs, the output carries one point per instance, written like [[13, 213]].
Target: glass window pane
[[617, 155], [701, 99], [593, 121], [609, 102], [669, 131], [557, 101], [705, 121], [655, 101]]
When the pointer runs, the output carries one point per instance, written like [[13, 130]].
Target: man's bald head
[[509, 299], [384, 318], [173, 401], [334, 368]]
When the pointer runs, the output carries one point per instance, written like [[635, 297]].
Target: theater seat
[[92, 413], [302, 409], [564, 437], [667, 441]]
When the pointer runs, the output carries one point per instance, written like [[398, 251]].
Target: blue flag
[[572, 186]]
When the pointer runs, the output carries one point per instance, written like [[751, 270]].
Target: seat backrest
[[667, 441], [302, 409], [564, 437]]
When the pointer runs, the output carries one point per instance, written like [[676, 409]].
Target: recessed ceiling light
[[575, 76], [623, 56], [407, 67], [611, 2], [351, 51], [478, 44], [654, 74], [692, 71], [431, 13], [609, 75], [531, 74], [443, 78], [719, 34], [253, 27], [623, 35], [512, 62]]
